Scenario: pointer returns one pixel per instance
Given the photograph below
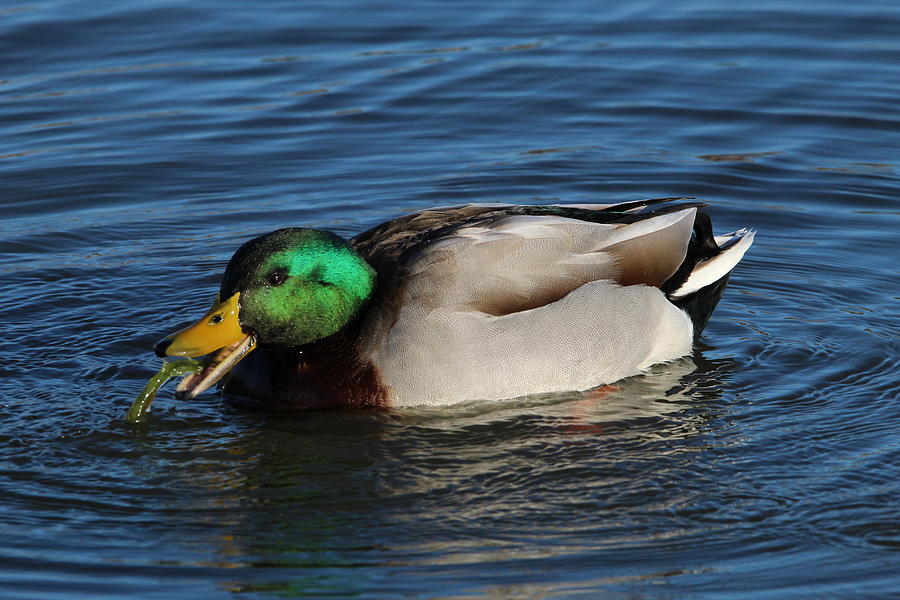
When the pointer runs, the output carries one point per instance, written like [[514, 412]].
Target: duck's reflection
[[332, 501]]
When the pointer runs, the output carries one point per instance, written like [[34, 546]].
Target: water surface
[[142, 142]]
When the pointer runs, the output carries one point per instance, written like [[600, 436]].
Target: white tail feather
[[733, 245]]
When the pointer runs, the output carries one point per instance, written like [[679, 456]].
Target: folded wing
[[514, 304]]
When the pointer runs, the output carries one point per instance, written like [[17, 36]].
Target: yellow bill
[[219, 329]]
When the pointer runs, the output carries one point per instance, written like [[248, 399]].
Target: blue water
[[141, 142]]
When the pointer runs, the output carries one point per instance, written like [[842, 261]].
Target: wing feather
[[522, 262], [500, 301]]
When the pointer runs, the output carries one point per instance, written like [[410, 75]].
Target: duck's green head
[[286, 288]]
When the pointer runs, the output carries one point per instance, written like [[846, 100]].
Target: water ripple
[[142, 144]]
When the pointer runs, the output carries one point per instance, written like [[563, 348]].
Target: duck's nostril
[[161, 347]]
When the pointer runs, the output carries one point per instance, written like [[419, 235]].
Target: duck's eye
[[216, 319], [276, 278]]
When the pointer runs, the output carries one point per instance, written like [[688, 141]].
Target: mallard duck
[[469, 303]]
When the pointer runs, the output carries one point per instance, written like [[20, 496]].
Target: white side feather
[[597, 334]]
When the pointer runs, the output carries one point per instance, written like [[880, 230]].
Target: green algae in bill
[[169, 369]]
